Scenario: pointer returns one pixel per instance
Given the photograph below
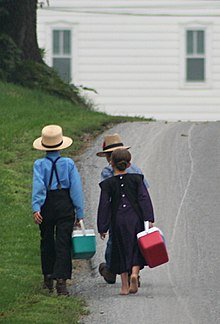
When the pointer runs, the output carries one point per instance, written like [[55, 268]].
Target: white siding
[[134, 62], [129, 3]]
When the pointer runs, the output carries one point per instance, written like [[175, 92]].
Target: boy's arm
[[76, 192], [134, 169], [37, 218], [38, 188], [107, 172]]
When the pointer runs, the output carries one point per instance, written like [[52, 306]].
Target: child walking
[[124, 205], [111, 143], [57, 198]]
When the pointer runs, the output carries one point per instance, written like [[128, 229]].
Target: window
[[195, 56], [62, 53]]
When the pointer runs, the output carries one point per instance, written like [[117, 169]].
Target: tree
[[20, 57], [18, 21]]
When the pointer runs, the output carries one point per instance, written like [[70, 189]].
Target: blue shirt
[[69, 179], [108, 172]]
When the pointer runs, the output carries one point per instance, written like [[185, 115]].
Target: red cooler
[[152, 247]]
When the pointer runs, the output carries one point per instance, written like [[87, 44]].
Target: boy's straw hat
[[52, 139], [111, 143]]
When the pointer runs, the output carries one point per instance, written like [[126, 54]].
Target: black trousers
[[56, 229]]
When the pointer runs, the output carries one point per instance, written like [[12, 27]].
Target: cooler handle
[[82, 227], [146, 226]]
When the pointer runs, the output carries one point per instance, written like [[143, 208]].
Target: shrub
[[37, 75], [10, 57], [34, 75]]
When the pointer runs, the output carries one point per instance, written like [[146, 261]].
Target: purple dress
[[124, 205]]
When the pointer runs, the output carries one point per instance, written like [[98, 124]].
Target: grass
[[23, 113]]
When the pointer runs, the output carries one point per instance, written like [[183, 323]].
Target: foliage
[[34, 75], [10, 56]]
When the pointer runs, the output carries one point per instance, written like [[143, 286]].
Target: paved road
[[182, 164]]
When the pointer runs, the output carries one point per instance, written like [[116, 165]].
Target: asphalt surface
[[181, 162]]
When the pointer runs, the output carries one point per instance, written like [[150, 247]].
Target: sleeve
[[134, 169], [104, 212], [76, 192], [39, 190], [145, 203], [107, 172]]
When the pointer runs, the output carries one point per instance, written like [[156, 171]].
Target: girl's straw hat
[[111, 143], [52, 139]]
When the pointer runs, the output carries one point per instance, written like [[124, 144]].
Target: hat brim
[[103, 153], [37, 144]]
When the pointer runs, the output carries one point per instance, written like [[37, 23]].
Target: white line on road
[[187, 186], [179, 297]]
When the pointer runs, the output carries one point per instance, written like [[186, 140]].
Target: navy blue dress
[[124, 205]]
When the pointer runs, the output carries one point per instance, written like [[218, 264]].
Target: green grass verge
[[23, 113]]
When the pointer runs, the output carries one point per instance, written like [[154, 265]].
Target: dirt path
[[181, 161]]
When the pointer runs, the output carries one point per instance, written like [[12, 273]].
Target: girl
[[124, 206], [111, 143]]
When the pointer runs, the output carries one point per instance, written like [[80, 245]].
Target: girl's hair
[[121, 158]]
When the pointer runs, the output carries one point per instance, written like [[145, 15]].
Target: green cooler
[[83, 243]]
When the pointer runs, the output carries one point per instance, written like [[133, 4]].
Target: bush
[[34, 75], [10, 57], [38, 75]]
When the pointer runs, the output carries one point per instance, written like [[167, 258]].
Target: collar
[[53, 154]]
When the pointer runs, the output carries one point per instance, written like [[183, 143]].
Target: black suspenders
[[54, 169]]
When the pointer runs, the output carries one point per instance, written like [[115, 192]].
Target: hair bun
[[121, 165]]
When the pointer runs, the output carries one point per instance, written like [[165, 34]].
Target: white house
[[149, 58]]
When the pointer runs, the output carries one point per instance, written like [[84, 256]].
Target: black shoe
[[61, 287], [48, 283], [109, 277]]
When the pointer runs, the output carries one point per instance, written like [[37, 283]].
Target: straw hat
[[52, 139], [111, 143]]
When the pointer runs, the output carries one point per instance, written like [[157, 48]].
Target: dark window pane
[[63, 67], [195, 70], [56, 42], [66, 42], [200, 42], [189, 41]]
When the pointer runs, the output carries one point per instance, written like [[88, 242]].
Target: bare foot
[[133, 284], [124, 291]]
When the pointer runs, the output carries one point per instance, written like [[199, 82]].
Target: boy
[[56, 197]]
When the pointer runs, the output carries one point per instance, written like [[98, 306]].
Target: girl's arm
[[145, 204], [104, 213]]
